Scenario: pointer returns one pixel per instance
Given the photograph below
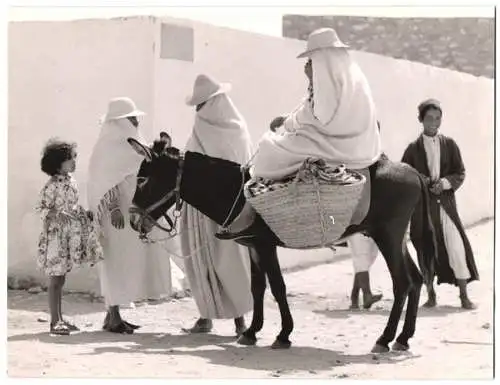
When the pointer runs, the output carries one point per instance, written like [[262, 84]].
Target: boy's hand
[[437, 188]]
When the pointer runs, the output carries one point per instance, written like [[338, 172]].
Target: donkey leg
[[278, 289], [431, 296], [382, 344], [408, 331], [426, 267], [258, 279], [391, 247]]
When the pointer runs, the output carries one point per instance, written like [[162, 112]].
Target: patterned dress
[[61, 245]]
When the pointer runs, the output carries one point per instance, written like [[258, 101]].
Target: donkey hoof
[[380, 349], [247, 341], [277, 344], [399, 347], [430, 303]]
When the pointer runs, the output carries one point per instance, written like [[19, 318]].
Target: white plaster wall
[[61, 76], [268, 80], [468, 103]]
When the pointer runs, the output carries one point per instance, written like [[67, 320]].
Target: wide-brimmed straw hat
[[321, 39], [205, 88], [119, 108]]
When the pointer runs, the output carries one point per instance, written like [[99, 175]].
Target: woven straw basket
[[309, 214]]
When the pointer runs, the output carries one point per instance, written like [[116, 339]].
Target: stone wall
[[459, 44]]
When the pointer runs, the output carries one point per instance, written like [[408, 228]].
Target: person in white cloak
[[364, 251], [218, 272], [336, 122], [131, 270]]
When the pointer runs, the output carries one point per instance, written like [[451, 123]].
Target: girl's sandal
[[71, 327], [59, 329]]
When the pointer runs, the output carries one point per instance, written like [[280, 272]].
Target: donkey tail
[[422, 233]]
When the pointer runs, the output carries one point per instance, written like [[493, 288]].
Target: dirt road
[[329, 342]]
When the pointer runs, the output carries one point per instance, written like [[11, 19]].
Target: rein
[[145, 213], [172, 231]]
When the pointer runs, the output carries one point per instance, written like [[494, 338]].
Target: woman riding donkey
[[336, 122]]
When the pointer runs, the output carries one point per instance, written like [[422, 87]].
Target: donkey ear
[[166, 138], [141, 149]]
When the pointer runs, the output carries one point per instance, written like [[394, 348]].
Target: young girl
[[68, 236]]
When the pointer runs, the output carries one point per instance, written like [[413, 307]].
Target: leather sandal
[[121, 328], [71, 327], [370, 301], [132, 326], [59, 329], [199, 327]]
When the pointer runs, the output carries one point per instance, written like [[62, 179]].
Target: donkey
[[214, 187]]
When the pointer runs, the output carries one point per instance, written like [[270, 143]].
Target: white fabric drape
[[131, 270], [112, 159], [218, 271], [221, 131], [364, 252], [340, 128], [452, 239]]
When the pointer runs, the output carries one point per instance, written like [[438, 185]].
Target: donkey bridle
[[145, 213]]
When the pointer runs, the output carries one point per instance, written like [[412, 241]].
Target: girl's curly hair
[[55, 153]]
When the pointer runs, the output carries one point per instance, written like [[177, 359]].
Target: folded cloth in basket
[[312, 168]]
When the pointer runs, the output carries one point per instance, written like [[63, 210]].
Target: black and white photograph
[[266, 191]]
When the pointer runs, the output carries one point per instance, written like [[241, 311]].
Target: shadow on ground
[[218, 350], [73, 303], [439, 311], [143, 339], [305, 358]]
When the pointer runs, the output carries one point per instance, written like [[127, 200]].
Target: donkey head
[[156, 185]]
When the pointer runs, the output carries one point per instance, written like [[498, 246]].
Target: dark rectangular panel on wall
[[177, 42]]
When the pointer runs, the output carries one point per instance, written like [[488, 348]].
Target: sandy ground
[[329, 341]]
